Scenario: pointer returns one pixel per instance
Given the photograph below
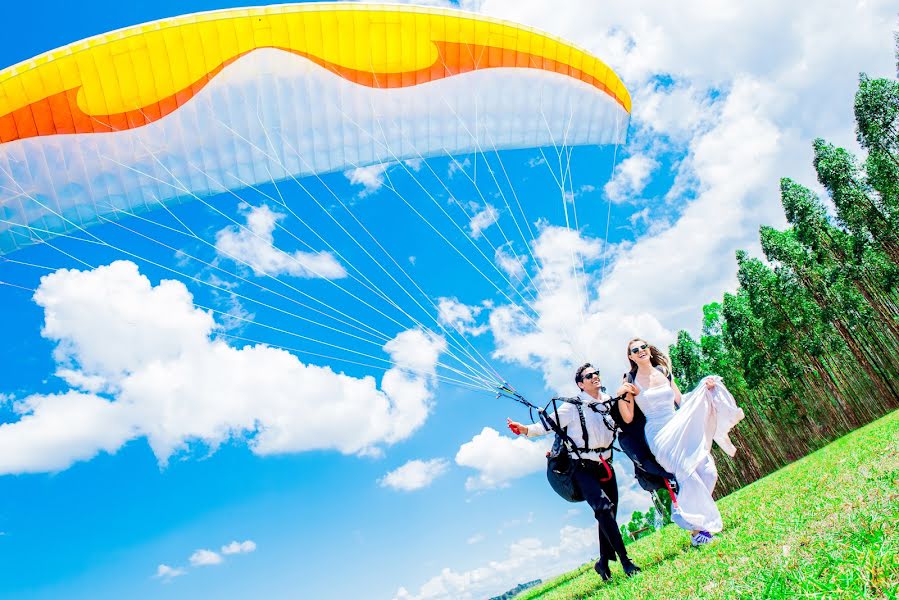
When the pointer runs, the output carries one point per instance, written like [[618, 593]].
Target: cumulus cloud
[[732, 107], [459, 316], [525, 560], [482, 220], [414, 164], [630, 178], [236, 547], [56, 430], [167, 573], [253, 246], [556, 337], [510, 263], [172, 383], [500, 459], [372, 178], [414, 475], [79, 380], [456, 166], [205, 558]]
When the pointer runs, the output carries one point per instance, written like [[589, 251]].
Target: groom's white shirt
[[597, 432]]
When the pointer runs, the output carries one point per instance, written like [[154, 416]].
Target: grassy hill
[[826, 526]]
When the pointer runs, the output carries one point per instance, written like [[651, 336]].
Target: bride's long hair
[[657, 358]]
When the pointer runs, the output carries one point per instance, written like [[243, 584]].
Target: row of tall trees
[[809, 343]]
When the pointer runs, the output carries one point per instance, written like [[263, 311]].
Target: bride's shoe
[[701, 538]]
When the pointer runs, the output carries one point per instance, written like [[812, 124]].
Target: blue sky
[[681, 200]]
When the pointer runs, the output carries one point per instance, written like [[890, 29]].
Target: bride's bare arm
[[676, 393], [626, 405]]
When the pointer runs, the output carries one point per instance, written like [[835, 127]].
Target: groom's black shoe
[[602, 569], [630, 569]]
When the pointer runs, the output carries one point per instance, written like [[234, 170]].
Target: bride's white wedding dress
[[681, 441]]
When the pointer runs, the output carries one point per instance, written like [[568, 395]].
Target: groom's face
[[590, 380]]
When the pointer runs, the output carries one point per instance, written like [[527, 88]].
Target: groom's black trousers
[[602, 496]]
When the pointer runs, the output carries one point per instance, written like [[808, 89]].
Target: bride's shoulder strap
[[664, 372]]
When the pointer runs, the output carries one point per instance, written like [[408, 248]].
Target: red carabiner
[[608, 469], [671, 493]]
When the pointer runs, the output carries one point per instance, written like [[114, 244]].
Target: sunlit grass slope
[[826, 526]]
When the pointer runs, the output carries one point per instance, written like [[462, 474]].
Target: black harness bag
[[560, 467], [560, 464]]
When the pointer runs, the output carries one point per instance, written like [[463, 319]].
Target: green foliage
[[686, 360], [793, 534], [640, 525], [809, 342]]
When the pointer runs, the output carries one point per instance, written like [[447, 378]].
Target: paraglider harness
[[560, 465]]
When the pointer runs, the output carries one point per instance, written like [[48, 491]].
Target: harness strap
[[580, 413], [553, 425]]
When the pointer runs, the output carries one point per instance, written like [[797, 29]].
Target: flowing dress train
[[681, 441]]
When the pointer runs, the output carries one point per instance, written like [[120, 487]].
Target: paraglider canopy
[[196, 105]]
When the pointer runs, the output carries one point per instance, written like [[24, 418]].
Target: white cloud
[[177, 386], [476, 539], [205, 558], [56, 430], [167, 573], [510, 263], [236, 547], [414, 164], [254, 246], [526, 559], [641, 216], [482, 220], [76, 379], [630, 178], [456, 166], [459, 316], [370, 178], [414, 475], [733, 106], [500, 459], [557, 338]]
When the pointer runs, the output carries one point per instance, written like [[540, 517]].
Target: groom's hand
[[516, 428]]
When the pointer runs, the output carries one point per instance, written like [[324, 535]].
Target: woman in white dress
[[680, 430]]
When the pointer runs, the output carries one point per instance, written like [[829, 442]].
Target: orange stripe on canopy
[[135, 76]]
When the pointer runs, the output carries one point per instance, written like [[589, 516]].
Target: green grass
[[822, 527]]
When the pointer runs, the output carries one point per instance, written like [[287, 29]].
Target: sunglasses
[[589, 376], [638, 349]]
